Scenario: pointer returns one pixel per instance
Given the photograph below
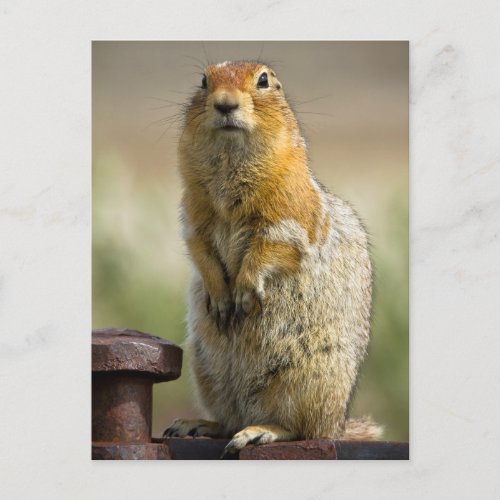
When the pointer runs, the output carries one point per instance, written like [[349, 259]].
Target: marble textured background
[[45, 247]]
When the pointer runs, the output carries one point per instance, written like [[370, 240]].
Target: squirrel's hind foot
[[181, 427]]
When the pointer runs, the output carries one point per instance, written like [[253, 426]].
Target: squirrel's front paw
[[257, 434], [220, 309], [248, 299]]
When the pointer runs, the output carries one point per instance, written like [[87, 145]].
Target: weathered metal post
[[125, 365]]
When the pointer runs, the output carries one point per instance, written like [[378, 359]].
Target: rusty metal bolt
[[125, 365]]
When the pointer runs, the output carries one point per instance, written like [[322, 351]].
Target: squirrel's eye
[[262, 82], [204, 82]]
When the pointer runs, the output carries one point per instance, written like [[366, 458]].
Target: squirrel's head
[[239, 102]]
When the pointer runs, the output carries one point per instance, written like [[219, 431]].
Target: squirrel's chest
[[231, 194], [230, 239], [231, 191]]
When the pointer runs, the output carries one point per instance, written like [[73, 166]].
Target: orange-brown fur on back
[[280, 301]]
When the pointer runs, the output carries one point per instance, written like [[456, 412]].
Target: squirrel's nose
[[225, 108]]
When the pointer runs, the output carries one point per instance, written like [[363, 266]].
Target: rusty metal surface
[[201, 448], [124, 451], [129, 350], [189, 448], [372, 450], [121, 407], [327, 449], [211, 449], [315, 449]]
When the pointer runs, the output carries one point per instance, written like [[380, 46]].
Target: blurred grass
[[383, 384]]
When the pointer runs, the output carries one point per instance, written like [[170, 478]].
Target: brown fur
[[279, 306]]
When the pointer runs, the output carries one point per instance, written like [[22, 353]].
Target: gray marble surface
[[45, 282]]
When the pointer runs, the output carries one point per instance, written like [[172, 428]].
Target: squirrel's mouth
[[230, 128], [229, 124]]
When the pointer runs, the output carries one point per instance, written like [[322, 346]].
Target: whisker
[[295, 103], [164, 132], [266, 110], [161, 120], [206, 53], [199, 61], [272, 117], [197, 127], [199, 69], [197, 115], [313, 113], [164, 106], [273, 63], [164, 100], [261, 51], [168, 120], [179, 92]]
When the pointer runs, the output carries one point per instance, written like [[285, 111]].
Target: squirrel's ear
[[275, 82]]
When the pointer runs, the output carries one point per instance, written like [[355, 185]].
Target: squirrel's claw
[[222, 319], [247, 302], [238, 313], [250, 435], [181, 428], [220, 311]]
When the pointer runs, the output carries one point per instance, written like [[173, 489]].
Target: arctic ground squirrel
[[280, 302]]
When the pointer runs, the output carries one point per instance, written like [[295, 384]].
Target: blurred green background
[[352, 101]]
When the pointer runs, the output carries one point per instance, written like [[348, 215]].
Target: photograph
[[250, 250]]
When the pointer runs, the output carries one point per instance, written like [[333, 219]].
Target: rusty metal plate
[[316, 449], [211, 449], [115, 350], [372, 450], [201, 448], [327, 449], [117, 451]]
